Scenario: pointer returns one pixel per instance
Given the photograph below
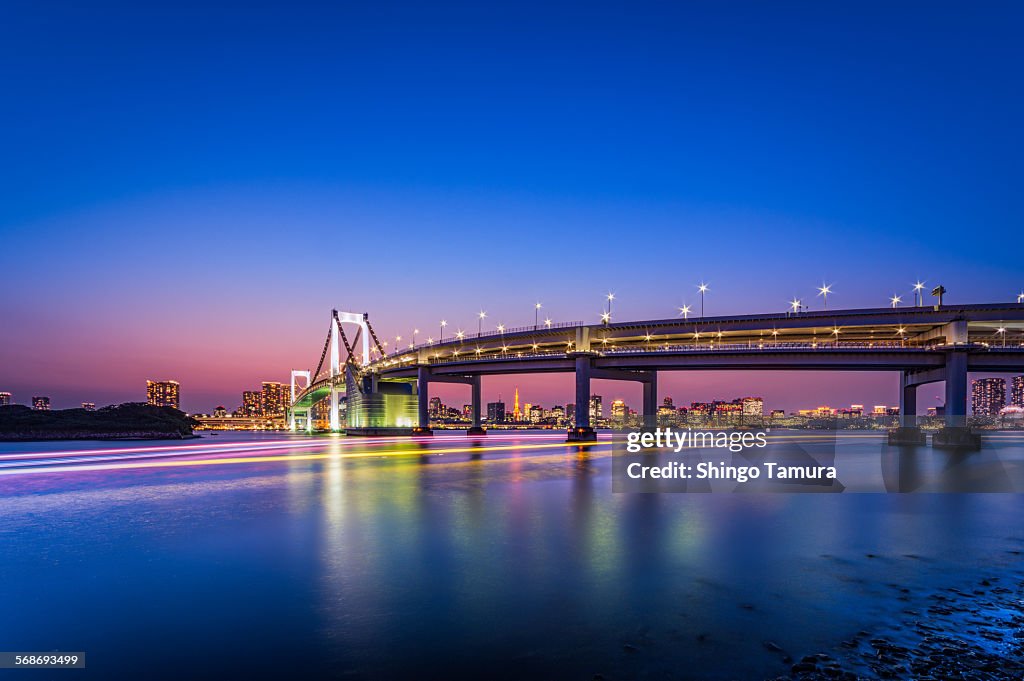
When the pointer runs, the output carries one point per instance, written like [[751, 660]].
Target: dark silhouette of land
[[132, 420]]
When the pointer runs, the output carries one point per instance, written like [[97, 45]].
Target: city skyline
[[165, 238]]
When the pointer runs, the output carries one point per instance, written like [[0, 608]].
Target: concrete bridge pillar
[[477, 427], [908, 399], [582, 431], [650, 415], [956, 388], [423, 401]]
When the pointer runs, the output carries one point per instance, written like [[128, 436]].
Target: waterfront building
[[41, 403], [988, 396], [752, 406], [1016, 391], [163, 394], [595, 408], [89, 406], [5, 399], [251, 403], [272, 398], [496, 412]]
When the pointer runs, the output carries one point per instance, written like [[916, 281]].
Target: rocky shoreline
[[973, 635]]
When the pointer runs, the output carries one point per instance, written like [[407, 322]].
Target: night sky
[[187, 190]]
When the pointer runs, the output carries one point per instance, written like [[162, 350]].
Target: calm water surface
[[271, 556]]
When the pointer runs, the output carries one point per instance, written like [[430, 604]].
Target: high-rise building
[[252, 403], [435, 408], [163, 394], [5, 399], [89, 406], [41, 403], [752, 406], [219, 411], [536, 413], [570, 412], [595, 407], [988, 396], [667, 402], [1016, 391], [496, 412], [272, 400], [619, 410]]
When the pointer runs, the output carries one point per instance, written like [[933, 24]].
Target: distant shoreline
[[131, 421]]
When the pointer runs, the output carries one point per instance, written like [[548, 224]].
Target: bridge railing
[[490, 335]]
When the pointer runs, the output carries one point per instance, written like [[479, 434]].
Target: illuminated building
[[5, 399], [89, 406], [570, 412], [467, 411], [752, 406], [595, 407], [435, 409], [778, 414], [1016, 392], [163, 394], [496, 412], [251, 403], [558, 412], [988, 396], [41, 403], [272, 399], [516, 415], [536, 413], [219, 411], [619, 410], [667, 403]]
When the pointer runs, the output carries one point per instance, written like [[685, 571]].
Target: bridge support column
[[422, 402], [956, 434], [582, 432], [908, 400], [476, 428], [650, 415], [335, 410]]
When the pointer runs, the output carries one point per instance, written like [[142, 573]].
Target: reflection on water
[[267, 557]]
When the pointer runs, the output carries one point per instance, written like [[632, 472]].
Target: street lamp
[[703, 288], [414, 332], [895, 300], [919, 293], [685, 311], [444, 323], [794, 305], [611, 297], [824, 291], [480, 323], [536, 315], [606, 317], [1020, 297], [938, 292], [460, 334], [1002, 332], [547, 323]]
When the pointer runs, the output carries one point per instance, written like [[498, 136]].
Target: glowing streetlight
[[501, 328], [794, 305], [611, 297], [606, 317], [547, 323], [414, 332], [1020, 297], [444, 323], [823, 291], [919, 293], [480, 322], [1002, 332], [895, 301], [536, 315], [460, 334], [685, 311], [430, 341], [703, 288]]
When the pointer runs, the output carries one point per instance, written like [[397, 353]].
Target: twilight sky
[[186, 190]]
